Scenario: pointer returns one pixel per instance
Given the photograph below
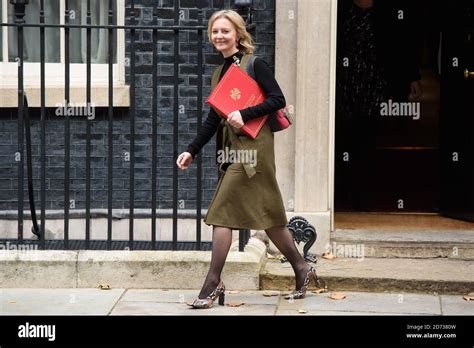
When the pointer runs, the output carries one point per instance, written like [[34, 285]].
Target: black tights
[[222, 239]]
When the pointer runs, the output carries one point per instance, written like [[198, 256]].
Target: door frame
[[332, 110]]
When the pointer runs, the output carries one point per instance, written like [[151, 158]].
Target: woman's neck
[[230, 53], [364, 3]]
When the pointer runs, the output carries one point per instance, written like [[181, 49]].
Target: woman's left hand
[[235, 119]]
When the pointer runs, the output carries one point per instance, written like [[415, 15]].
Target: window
[[55, 43]]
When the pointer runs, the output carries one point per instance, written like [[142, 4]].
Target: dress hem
[[249, 226]]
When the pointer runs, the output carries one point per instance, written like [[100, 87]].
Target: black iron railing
[[23, 120]]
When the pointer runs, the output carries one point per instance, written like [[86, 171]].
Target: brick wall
[[264, 17]]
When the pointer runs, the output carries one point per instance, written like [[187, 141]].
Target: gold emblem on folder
[[235, 94]]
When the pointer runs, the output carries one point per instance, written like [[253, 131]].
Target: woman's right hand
[[184, 160]]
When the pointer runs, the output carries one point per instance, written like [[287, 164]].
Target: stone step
[[441, 276], [451, 244]]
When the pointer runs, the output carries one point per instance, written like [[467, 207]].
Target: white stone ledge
[[55, 96], [128, 269], [103, 213]]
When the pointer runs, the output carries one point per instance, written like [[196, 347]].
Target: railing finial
[[19, 10]]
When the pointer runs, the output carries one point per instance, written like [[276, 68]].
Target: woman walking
[[247, 195]]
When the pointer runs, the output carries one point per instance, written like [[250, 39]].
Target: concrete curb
[[452, 244], [128, 269], [379, 275]]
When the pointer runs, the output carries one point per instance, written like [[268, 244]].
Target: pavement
[[95, 301]]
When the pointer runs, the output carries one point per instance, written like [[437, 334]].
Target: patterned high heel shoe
[[301, 293], [208, 302]]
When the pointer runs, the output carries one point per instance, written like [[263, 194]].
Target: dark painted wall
[[264, 17]]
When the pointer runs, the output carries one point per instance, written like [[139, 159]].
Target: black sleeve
[[275, 99], [206, 132]]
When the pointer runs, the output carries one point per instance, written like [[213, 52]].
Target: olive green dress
[[247, 195]]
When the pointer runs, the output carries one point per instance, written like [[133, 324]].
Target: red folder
[[236, 91]]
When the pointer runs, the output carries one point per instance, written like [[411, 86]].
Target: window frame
[[54, 72]]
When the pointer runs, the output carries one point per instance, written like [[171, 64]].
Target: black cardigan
[[275, 101]]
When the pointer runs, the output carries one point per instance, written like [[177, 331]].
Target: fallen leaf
[[328, 256], [302, 311], [337, 296], [468, 298], [11, 301], [318, 291], [277, 257], [104, 287], [270, 293], [233, 292], [234, 304]]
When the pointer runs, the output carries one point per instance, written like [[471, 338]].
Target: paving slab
[[178, 296], [338, 313], [254, 298], [368, 303], [456, 305], [76, 301], [168, 308], [72, 301], [173, 302], [159, 295]]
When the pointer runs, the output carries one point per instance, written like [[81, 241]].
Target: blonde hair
[[245, 40]]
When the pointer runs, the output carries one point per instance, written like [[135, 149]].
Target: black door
[[457, 110], [387, 164]]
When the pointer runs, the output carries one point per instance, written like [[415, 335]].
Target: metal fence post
[[19, 19]]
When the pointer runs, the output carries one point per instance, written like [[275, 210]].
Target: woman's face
[[224, 36]]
